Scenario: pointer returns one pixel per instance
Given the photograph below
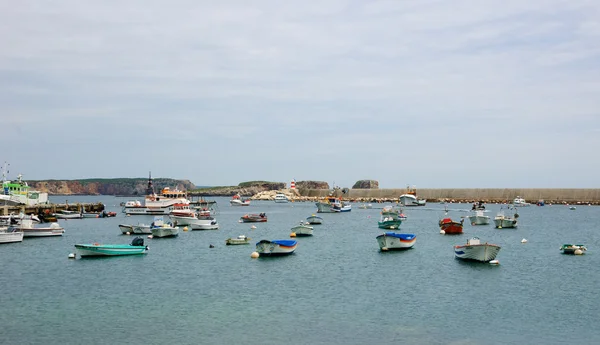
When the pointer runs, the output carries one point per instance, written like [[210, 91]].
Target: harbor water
[[337, 288]]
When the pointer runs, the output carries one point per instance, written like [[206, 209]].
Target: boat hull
[[135, 229], [253, 219], [389, 224], [505, 223], [86, 250], [451, 227], [477, 252], [276, 248], [68, 216], [314, 220], [240, 240], [162, 232], [137, 210], [302, 230], [7, 236], [43, 232], [239, 203], [396, 241], [323, 207], [479, 220]]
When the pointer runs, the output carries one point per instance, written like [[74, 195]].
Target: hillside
[[114, 186]]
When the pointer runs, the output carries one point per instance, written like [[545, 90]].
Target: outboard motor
[[138, 241]]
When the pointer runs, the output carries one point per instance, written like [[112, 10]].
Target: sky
[[436, 94]]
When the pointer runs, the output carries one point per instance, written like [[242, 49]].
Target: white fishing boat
[[333, 204], [314, 219], [135, 229], [237, 200], [30, 230], [10, 235], [475, 250], [204, 223], [15, 219], [479, 218], [281, 198], [156, 204], [276, 247], [503, 221], [161, 229], [66, 214], [520, 202], [241, 239], [18, 192], [396, 241], [409, 198], [302, 229]]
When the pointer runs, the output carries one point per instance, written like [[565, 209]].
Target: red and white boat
[[156, 204], [254, 218], [237, 200], [182, 210], [451, 227]]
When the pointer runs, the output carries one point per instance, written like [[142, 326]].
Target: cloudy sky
[[437, 94]]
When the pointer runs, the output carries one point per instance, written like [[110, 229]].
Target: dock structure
[[51, 208], [199, 201]]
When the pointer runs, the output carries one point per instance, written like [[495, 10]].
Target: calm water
[[338, 288]]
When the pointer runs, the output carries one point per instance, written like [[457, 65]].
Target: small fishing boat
[[479, 218], [333, 204], [451, 227], [475, 250], [66, 214], [10, 235], [254, 218], [96, 249], [135, 229], [409, 198], [237, 200], [102, 214], [396, 241], [365, 206], [281, 198], [314, 220], [302, 229], [520, 202], [241, 239], [503, 221], [389, 222], [573, 249], [161, 229], [276, 247], [30, 230]]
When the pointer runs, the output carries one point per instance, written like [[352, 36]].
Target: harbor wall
[[472, 194]]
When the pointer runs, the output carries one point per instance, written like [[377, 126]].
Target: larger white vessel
[[156, 204], [18, 192]]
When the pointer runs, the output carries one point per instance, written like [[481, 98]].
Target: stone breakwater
[[487, 195]]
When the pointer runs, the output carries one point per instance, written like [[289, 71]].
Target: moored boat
[[96, 249], [479, 218], [241, 239], [314, 219], [254, 218], [276, 247], [389, 222], [302, 230], [161, 229], [30, 230], [204, 223], [451, 227], [396, 241], [281, 198], [18, 192], [156, 204], [10, 235], [66, 214], [573, 249], [409, 198], [135, 229], [475, 250], [333, 204], [237, 200], [503, 221], [520, 202]]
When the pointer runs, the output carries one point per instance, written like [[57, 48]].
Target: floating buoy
[[368, 216], [240, 221], [150, 236], [384, 249], [185, 228], [72, 256], [499, 226], [523, 241], [578, 252], [127, 233], [127, 215], [211, 246], [494, 262], [293, 234], [253, 227], [254, 255], [442, 232]]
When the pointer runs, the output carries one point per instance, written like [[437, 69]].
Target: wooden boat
[[96, 249], [573, 248], [475, 250], [302, 230], [29, 230], [276, 247], [10, 235], [254, 218], [396, 241], [314, 220], [241, 239], [479, 218], [451, 227], [237, 200]]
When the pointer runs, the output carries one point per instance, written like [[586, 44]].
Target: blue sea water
[[338, 288]]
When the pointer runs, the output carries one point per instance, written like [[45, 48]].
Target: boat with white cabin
[[333, 204], [30, 230], [503, 221], [156, 204], [18, 192], [520, 202], [237, 200], [409, 198], [128, 229], [161, 229], [241, 239], [10, 235], [479, 218], [477, 251], [281, 198]]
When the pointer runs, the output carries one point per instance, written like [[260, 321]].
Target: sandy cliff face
[[107, 187]]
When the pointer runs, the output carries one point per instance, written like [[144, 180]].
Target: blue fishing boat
[[276, 247], [96, 249]]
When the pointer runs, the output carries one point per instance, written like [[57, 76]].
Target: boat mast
[[4, 171], [150, 188]]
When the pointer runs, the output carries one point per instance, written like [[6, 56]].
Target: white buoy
[[127, 215], [442, 232], [72, 256], [127, 233], [578, 252], [253, 227], [254, 255], [150, 236], [523, 241], [240, 221], [384, 249], [494, 262]]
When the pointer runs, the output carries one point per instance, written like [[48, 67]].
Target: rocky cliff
[[312, 185], [245, 189], [366, 184], [122, 186]]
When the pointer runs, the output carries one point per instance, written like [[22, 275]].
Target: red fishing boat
[[451, 227], [254, 218]]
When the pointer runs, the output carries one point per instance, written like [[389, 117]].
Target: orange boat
[[451, 227]]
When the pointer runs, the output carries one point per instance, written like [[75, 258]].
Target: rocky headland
[[117, 186]]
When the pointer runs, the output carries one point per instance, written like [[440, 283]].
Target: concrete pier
[[52, 208]]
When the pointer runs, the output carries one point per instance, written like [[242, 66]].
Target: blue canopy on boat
[[287, 243], [401, 236]]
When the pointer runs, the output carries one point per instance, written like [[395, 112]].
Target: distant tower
[[293, 184], [150, 188]]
